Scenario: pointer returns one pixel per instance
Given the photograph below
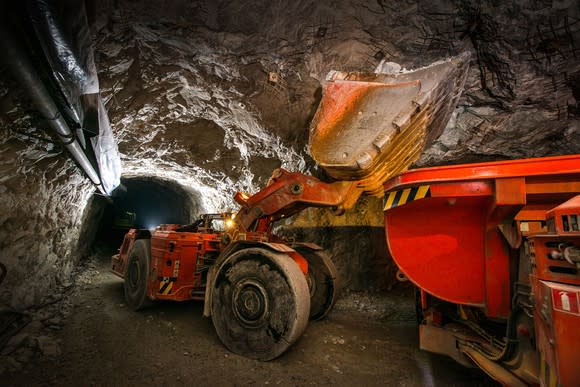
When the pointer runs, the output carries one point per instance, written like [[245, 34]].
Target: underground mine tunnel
[[120, 115], [140, 202]]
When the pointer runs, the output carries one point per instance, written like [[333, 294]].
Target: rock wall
[[520, 99], [355, 241], [522, 95], [42, 200]]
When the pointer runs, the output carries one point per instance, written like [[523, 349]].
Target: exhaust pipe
[[20, 65]]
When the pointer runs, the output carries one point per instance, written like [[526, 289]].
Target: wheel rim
[[134, 275], [250, 303]]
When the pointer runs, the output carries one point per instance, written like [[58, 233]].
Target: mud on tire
[[322, 281], [137, 275], [260, 303]]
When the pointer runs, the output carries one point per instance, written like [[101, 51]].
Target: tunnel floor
[[101, 342]]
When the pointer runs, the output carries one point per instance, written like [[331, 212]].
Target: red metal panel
[[493, 170], [454, 235], [438, 244], [175, 258], [557, 334], [570, 212], [533, 212], [473, 188], [510, 191], [453, 215], [560, 184], [497, 273]]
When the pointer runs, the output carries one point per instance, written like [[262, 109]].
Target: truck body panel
[[490, 245]]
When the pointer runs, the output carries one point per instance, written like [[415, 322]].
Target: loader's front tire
[[322, 281], [137, 275], [260, 303]]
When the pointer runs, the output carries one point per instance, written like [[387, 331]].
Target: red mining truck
[[261, 290], [494, 249]]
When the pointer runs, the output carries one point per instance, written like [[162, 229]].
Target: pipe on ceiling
[[18, 61]]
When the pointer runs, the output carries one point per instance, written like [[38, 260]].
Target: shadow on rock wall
[[359, 252]]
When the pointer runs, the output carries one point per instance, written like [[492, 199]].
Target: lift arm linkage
[[288, 193]]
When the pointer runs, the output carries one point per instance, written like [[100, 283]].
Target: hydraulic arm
[[368, 128], [259, 289]]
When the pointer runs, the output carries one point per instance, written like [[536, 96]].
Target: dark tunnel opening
[[140, 202]]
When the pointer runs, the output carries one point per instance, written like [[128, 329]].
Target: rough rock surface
[[214, 94], [38, 336], [42, 201]]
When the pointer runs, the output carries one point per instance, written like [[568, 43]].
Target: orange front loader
[[258, 289], [494, 249]]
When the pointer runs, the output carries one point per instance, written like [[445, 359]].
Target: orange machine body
[[180, 260], [555, 284], [456, 233]]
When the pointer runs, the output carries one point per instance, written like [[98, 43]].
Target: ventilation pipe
[[21, 66]]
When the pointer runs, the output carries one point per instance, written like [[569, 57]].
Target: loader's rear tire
[[322, 281], [260, 303], [137, 275]]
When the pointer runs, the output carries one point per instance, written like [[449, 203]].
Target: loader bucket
[[371, 126]]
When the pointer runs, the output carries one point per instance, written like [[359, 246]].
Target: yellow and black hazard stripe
[[398, 198], [166, 285]]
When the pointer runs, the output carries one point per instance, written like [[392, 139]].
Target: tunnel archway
[[140, 202]]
